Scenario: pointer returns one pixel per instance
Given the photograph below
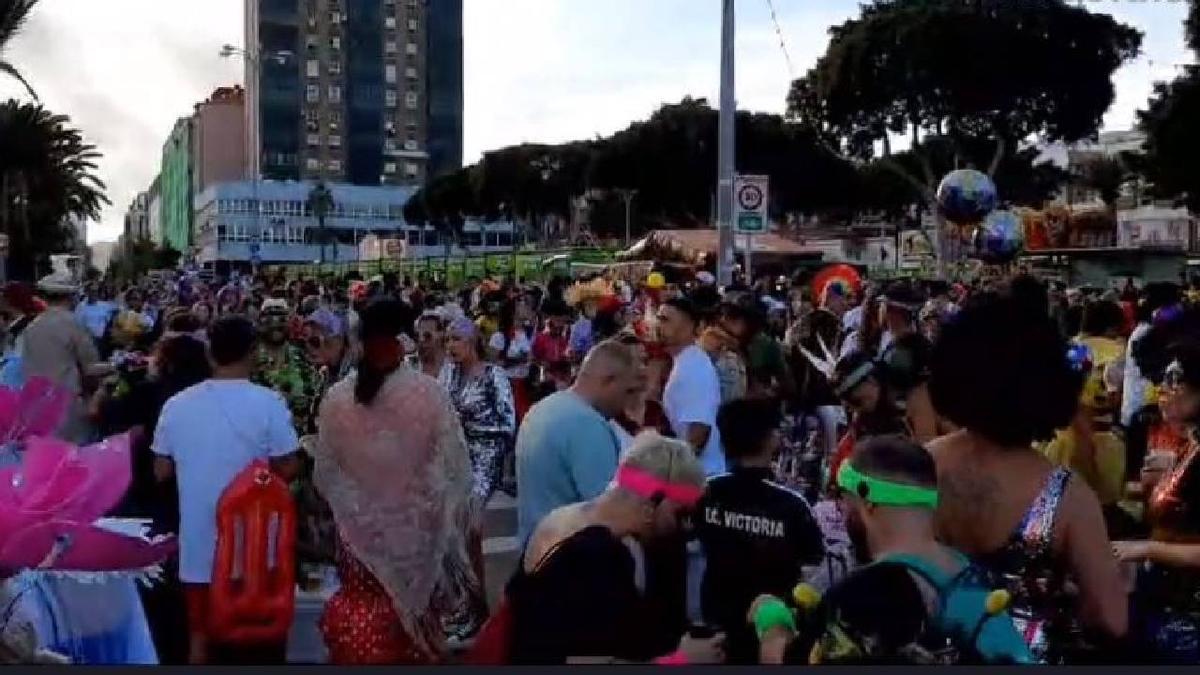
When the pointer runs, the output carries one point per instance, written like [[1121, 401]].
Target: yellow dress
[[1106, 475]]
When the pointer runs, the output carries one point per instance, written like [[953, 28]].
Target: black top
[[581, 601], [147, 497], [756, 536]]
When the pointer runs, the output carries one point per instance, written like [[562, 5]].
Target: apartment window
[[390, 129], [335, 141], [311, 42], [335, 165], [389, 73], [410, 49], [335, 93], [335, 67], [390, 22], [314, 140], [413, 25], [410, 100], [312, 121], [389, 145], [390, 47], [390, 98], [411, 145], [335, 18], [314, 68], [389, 167], [411, 73], [411, 170], [335, 43], [313, 93]]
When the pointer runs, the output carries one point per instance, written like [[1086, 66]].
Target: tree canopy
[[47, 173], [982, 76], [1172, 160], [13, 14]]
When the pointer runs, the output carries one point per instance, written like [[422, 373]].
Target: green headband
[[882, 492]]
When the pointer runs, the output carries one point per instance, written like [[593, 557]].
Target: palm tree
[[47, 173], [320, 202], [12, 15]]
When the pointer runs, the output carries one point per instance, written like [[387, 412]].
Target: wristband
[[675, 659], [773, 613]]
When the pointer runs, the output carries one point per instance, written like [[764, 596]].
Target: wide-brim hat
[[58, 284]]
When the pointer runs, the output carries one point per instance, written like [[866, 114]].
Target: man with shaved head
[[566, 450]]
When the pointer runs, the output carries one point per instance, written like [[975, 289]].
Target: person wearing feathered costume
[[68, 573]]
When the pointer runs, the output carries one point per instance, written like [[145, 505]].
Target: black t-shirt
[[581, 601], [756, 536]]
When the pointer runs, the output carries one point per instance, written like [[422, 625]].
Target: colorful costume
[[70, 573]]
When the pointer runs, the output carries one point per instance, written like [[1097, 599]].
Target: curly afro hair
[[1000, 371]]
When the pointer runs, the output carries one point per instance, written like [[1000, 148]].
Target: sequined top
[[1174, 516], [1027, 567], [1174, 507]]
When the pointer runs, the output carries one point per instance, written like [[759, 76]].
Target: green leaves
[[984, 69], [47, 173], [13, 14]]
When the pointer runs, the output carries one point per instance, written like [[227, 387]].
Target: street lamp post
[[254, 59], [627, 195], [726, 148]]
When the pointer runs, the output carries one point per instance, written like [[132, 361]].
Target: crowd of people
[[999, 471]]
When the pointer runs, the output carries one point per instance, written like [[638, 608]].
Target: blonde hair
[[668, 459]]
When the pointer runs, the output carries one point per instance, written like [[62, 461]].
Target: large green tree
[[47, 173], [13, 14], [669, 159], [1172, 161], [981, 76]]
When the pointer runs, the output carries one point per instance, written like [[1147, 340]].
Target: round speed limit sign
[[750, 197]]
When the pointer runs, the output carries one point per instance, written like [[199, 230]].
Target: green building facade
[[176, 187]]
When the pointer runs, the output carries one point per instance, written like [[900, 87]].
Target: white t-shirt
[[1135, 385], [692, 396], [519, 347], [213, 431]]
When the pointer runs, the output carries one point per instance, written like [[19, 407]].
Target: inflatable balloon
[[999, 238], [965, 196]]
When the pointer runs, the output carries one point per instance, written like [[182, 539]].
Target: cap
[[327, 321]]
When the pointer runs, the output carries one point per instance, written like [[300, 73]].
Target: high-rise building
[[444, 47], [356, 91], [175, 187], [220, 143]]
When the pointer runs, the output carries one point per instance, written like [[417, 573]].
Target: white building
[[1155, 227], [154, 217], [271, 222]]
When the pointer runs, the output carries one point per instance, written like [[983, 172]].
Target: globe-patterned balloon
[[1000, 237], [965, 196]]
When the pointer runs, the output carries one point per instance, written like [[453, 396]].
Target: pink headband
[[646, 484]]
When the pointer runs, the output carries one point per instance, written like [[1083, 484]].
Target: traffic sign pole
[[750, 197]]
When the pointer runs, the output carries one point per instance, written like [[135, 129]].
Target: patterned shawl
[[397, 478]]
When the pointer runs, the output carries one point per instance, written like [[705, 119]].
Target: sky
[[536, 70]]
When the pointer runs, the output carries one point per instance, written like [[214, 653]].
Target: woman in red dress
[[393, 466]]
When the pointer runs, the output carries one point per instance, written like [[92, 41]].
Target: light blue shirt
[[94, 316], [213, 431], [566, 453]]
